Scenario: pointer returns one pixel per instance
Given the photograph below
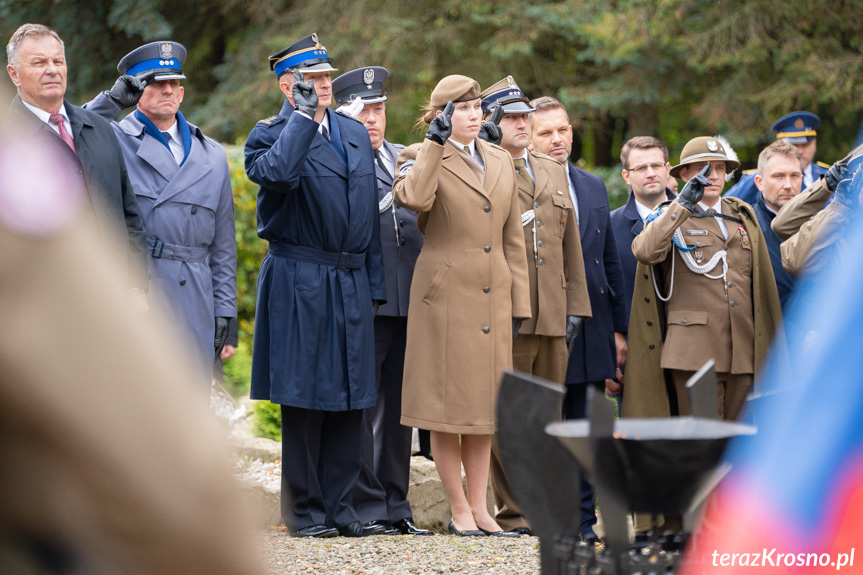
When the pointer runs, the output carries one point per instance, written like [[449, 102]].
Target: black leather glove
[[573, 326], [127, 90], [223, 325], [693, 191], [490, 131], [305, 97], [836, 173], [441, 126], [516, 325], [848, 190]]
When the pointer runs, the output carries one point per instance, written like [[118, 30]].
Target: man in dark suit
[[381, 493], [318, 290], [87, 149], [645, 170], [600, 347]]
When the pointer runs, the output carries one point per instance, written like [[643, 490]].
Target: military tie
[[325, 133], [380, 162], [59, 121], [167, 136], [524, 174]]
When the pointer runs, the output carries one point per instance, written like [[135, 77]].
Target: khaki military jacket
[[558, 287], [470, 280], [799, 209], [701, 320], [813, 246]]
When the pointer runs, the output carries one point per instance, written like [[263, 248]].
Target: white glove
[[352, 109]]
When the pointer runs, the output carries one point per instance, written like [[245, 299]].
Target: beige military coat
[[558, 287], [470, 280], [800, 208], [818, 240]]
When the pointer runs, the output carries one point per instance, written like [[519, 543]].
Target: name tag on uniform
[[696, 232]]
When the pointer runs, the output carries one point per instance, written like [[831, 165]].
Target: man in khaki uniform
[[711, 268], [110, 462], [558, 289]]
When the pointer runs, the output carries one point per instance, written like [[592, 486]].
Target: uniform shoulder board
[[749, 172], [272, 120], [823, 165]]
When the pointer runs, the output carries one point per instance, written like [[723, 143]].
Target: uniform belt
[[160, 250], [340, 260]]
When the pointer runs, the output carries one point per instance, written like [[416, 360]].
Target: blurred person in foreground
[[110, 464], [183, 190], [86, 151]]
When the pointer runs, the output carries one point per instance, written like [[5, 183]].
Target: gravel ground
[[397, 555]]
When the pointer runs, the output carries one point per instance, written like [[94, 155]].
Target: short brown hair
[[547, 103], [641, 143], [24, 31], [779, 147]]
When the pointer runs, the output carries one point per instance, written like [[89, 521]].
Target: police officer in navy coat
[[600, 348], [318, 289], [380, 495], [800, 130]]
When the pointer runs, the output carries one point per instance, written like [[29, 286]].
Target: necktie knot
[[167, 136], [60, 121], [467, 150], [519, 164], [380, 161], [324, 132]]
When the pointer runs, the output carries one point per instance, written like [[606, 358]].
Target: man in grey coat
[[183, 188]]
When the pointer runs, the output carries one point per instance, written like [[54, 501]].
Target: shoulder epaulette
[[823, 165], [749, 172], [271, 121]]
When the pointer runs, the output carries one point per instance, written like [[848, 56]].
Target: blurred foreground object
[[110, 463]]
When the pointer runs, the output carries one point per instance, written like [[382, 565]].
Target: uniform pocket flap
[[698, 239], [688, 317], [560, 201]]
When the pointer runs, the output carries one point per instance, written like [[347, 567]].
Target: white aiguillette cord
[[526, 218]]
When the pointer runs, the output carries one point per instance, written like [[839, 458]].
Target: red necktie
[[59, 121]]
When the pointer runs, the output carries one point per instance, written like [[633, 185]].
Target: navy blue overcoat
[[594, 355], [314, 326]]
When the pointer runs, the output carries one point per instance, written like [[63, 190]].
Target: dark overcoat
[[188, 214], [100, 161], [594, 355], [314, 326]]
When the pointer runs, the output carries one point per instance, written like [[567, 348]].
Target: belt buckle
[[343, 260], [158, 246]]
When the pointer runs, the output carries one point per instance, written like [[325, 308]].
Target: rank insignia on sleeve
[[406, 167]]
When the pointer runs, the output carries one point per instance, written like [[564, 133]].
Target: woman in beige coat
[[469, 292]]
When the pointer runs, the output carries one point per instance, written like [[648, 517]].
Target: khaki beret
[[703, 149], [454, 88]]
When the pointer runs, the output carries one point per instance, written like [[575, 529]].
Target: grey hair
[[23, 31]]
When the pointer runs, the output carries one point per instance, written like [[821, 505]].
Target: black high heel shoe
[[499, 533], [467, 533]]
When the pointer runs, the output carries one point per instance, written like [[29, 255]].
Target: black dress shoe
[[499, 533], [356, 529], [320, 531], [406, 527], [466, 533], [388, 527], [522, 531]]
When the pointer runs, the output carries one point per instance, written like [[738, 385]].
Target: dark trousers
[[575, 407], [382, 489], [320, 465]]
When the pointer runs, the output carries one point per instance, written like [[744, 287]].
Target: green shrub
[[268, 420], [238, 371]]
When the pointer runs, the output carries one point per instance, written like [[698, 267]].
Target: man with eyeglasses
[[645, 170]]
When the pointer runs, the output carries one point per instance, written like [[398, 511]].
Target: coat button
[[402, 223], [673, 217], [539, 243], [647, 299], [486, 209], [536, 204], [183, 282], [602, 290], [732, 303], [487, 249], [538, 224], [194, 209], [186, 244], [730, 284], [540, 262], [559, 193], [646, 276], [486, 289], [598, 231], [485, 329], [402, 242], [683, 321], [596, 261], [651, 346], [649, 323]]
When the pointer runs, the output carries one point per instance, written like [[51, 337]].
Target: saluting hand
[[305, 97], [441, 126], [127, 90], [490, 131], [693, 191], [837, 172], [848, 190]]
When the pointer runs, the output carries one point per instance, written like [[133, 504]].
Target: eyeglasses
[[656, 166]]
